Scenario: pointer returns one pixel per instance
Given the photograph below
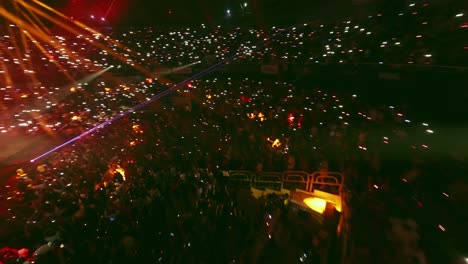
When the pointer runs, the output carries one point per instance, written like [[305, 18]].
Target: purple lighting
[[157, 96], [142, 104]]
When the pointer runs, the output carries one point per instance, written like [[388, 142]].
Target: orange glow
[[76, 32], [121, 171], [137, 129], [251, 116], [208, 96], [291, 118], [274, 143], [76, 118], [20, 173], [46, 53], [108, 89], [316, 204], [132, 143], [73, 89], [24, 96], [261, 117], [80, 25]]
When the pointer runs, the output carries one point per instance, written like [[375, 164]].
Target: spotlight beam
[[152, 99], [70, 29], [83, 26], [142, 104]]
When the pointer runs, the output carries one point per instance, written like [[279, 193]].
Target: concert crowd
[[149, 186]]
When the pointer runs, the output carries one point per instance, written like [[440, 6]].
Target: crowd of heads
[[166, 157], [148, 186]]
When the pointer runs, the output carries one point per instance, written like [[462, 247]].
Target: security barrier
[[268, 180], [321, 184], [240, 178], [331, 182], [324, 181], [295, 180]]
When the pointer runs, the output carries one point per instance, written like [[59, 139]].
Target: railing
[[324, 184], [326, 181]]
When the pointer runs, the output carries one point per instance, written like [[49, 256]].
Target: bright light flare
[[121, 171], [83, 26], [274, 143], [316, 204], [74, 30]]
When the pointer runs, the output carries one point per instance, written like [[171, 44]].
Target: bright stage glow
[[152, 99], [316, 204]]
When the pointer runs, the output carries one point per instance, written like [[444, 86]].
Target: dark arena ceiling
[[129, 12]]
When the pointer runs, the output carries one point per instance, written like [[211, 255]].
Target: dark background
[[258, 12]]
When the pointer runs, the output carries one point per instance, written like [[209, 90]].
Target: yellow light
[[132, 143], [208, 96], [107, 89], [251, 116], [137, 129], [274, 143], [261, 117], [121, 171], [24, 96], [316, 204], [73, 89], [20, 173]]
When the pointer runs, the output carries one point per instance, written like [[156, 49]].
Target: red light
[[291, 118], [419, 204], [245, 99]]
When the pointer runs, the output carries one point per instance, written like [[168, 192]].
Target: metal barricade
[[327, 181], [331, 182], [270, 180], [240, 179], [295, 180]]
